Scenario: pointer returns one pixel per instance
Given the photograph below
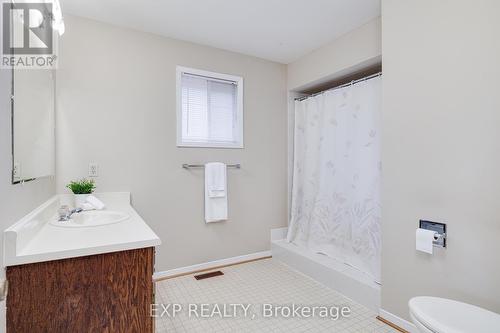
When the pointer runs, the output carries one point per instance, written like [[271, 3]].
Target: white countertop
[[34, 239]]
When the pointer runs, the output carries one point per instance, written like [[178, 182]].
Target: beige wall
[[15, 200], [441, 149], [355, 50], [116, 107]]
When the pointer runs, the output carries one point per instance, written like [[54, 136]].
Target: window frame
[[239, 108]]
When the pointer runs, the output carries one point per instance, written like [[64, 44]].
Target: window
[[209, 109]]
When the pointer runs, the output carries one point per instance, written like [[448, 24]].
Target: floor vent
[[208, 275]]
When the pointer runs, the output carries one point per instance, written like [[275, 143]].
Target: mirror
[[33, 124]]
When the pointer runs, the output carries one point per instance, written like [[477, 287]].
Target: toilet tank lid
[[442, 315]]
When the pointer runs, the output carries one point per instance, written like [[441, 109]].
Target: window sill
[[210, 145]]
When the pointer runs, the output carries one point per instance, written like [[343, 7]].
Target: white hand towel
[[215, 177], [86, 206], [215, 192], [98, 204]]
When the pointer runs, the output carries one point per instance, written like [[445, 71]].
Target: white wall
[[441, 144], [116, 107], [15, 200], [355, 50]]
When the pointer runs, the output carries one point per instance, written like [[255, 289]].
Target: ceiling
[[277, 30]]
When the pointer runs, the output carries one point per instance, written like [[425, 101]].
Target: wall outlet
[[16, 171], [93, 170]]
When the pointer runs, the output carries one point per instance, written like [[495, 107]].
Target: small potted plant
[[81, 189]]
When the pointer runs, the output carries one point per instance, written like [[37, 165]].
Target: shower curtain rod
[[341, 86]]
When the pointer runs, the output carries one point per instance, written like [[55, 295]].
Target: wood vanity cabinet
[[109, 292]]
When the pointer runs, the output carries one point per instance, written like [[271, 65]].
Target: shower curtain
[[336, 175]]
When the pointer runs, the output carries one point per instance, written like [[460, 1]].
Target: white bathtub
[[334, 274]]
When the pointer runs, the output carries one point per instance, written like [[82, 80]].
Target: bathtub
[[332, 273]]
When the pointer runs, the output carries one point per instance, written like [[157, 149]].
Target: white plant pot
[[80, 200]]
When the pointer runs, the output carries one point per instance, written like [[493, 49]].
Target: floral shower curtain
[[336, 175]]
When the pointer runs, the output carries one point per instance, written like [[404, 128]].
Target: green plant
[[83, 186]]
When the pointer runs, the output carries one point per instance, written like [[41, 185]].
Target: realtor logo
[[28, 35]]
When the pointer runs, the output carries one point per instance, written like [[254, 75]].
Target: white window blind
[[209, 111]]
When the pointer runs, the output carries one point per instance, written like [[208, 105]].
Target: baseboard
[[400, 322], [210, 265]]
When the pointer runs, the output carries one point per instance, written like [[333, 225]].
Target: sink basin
[[92, 219]]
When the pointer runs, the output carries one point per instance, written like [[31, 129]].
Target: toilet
[[440, 315]]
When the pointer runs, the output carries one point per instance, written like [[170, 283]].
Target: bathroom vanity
[[93, 277]]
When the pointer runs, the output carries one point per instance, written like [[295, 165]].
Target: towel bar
[[189, 166]]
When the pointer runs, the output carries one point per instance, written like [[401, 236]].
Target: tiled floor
[[253, 285]]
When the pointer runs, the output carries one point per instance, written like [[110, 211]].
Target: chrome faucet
[[65, 214]]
